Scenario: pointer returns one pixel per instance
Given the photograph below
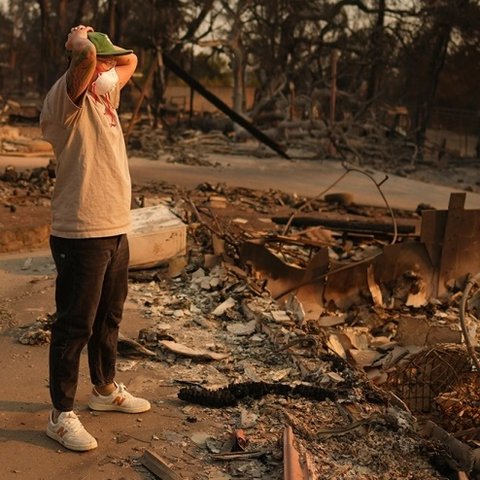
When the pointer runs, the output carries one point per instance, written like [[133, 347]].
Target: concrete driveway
[[304, 177]]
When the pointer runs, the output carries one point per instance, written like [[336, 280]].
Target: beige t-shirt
[[92, 190]]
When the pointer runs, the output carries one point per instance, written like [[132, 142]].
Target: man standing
[[90, 219]]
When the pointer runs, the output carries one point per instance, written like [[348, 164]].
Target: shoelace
[[72, 422], [122, 390]]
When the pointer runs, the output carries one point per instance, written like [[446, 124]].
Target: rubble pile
[[373, 142], [254, 345], [155, 144], [30, 187], [365, 350], [344, 380], [39, 333], [309, 314]]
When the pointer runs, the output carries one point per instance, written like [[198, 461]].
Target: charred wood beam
[[347, 225], [223, 107], [235, 392], [463, 455], [157, 465]]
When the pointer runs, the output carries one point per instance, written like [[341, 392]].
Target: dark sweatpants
[[91, 288]]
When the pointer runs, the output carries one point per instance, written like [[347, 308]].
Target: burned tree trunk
[[444, 25], [377, 52], [50, 53]]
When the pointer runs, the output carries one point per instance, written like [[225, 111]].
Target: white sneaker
[[118, 401], [69, 432]]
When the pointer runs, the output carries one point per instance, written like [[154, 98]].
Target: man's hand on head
[[80, 31]]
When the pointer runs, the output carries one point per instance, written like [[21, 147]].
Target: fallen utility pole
[[223, 107]]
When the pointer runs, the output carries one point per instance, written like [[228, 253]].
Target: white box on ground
[[157, 235]]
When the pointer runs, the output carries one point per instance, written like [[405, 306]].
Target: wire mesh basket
[[422, 377]]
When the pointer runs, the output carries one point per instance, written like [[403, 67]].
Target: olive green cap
[[104, 45]]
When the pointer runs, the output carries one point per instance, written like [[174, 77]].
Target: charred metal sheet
[[457, 239], [282, 278], [350, 225], [432, 232], [351, 286], [409, 272], [315, 287], [348, 287], [409, 257], [452, 239], [292, 469]]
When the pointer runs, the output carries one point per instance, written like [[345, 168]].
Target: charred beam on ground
[[346, 225], [155, 464]]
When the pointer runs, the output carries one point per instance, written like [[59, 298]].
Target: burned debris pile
[[338, 321], [21, 188], [370, 314]]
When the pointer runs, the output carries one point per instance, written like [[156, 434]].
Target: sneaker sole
[[76, 448], [117, 408]]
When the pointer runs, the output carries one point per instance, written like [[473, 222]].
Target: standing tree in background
[[167, 27], [56, 19], [20, 60], [51, 53], [236, 50], [377, 49], [441, 19], [458, 85], [406, 52]]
